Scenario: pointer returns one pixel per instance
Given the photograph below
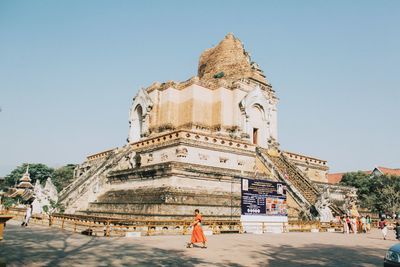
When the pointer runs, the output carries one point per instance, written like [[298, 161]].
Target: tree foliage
[[37, 171], [8, 202], [63, 176], [54, 207], [377, 193], [60, 177]]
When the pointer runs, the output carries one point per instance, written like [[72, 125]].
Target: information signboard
[[263, 197]]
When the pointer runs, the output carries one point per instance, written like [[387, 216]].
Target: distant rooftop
[[388, 171], [334, 178]]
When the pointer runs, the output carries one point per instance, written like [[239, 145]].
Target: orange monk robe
[[197, 234]]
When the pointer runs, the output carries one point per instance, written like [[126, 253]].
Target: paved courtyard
[[43, 246]]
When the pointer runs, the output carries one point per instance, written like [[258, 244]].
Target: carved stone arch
[[256, 99], [261, 109], [139, 116]]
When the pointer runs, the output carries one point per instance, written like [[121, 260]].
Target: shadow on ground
[[39, 246], [320, 255], [42, 247]]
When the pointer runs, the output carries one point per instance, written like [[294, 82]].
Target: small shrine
[[24, 189], [37, 195], [25, 181]]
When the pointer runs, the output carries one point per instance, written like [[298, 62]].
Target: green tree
[[37, 171], [389, 194], [8, 202], [54, 207], [63, 176], [377, 193]]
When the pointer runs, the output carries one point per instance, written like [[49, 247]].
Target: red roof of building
[[389, 171], [335, 178]]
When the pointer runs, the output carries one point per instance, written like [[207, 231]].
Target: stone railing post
[[108, 229]]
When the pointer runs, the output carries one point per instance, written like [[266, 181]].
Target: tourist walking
[[343, 222], [28, 215], [368, 221], [197, 234], [383, 227], [364, 224], [347, 224], [345, 227], [354, 224], [397, 229]]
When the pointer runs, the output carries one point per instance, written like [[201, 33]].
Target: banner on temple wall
[[263, 198]]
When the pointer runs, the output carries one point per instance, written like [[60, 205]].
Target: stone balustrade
[[166, 138]]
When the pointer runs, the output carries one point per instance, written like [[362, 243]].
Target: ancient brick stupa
[[190, 142]]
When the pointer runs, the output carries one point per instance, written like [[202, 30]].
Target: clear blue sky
[[69, 70]]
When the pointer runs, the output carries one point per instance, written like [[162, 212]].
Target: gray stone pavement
[[43, 246]]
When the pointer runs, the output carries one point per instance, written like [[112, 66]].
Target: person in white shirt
[[354, 224], [28, 215]]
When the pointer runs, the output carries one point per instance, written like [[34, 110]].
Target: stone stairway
[[336, 209], [80, 191], [80, 180], [300, 181], [299, 186]]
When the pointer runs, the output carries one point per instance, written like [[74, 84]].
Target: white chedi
[[43, 196], [37, 192], [50, 190]]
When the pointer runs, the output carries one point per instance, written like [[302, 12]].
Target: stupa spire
[[25, 181], [228, 62]]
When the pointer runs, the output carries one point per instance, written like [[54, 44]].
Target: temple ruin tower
[[189, 145], [230, 97]]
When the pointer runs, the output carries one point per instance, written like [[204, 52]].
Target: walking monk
[[197, 234]]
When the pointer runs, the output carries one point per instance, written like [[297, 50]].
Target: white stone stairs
[[299, 187], [78, 191]]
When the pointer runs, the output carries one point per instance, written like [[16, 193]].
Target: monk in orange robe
[[197, 234]]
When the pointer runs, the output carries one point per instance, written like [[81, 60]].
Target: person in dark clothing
[[383, 226]]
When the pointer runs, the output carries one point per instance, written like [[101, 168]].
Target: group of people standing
[[353, 224], [356, 225]]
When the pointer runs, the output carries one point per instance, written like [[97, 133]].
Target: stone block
[[208, 232], [133, 234]]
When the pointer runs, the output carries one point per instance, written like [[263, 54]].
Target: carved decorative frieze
[[164, 156], [181, 152], [150, 158], [203, 156], [223, 159]]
